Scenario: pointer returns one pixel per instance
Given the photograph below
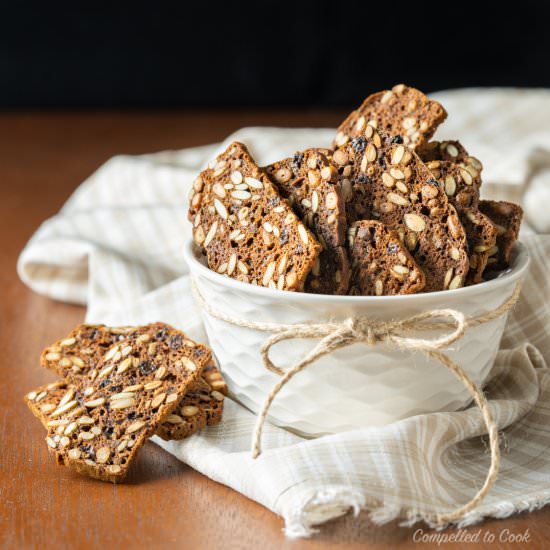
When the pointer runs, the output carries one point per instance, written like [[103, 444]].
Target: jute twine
[[354, 330]]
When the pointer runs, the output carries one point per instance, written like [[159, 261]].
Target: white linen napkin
[[116, 246]]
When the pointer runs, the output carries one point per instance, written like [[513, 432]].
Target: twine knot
[[362, 329], [449, 326]]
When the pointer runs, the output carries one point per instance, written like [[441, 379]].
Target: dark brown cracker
[[311, 183], [330, 273], [45, 399], [451, 150], [81, 349], [248, 231], [201, 405], [481, 235], [507, 218], [214, 378], [460, 175], [109, 413], [458, 172], [381, 264], [401, 111], [390, 184]]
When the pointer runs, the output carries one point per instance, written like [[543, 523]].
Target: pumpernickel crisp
[[459, 172], [201, 405], [402, 111], [81, 349], [381, 264], [392, 185], [246, 228], [311, 183], [507, 218], [481, 234], [107, 415], [460, 175], [451, 150]]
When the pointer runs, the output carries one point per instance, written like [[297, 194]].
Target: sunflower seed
[[315, 201], [268, 275], [70, 428], [217, 395], [122, 395], [74, 454], [360, 124], [387, 180], [401, 187], [341, 139], [123, 403], [220, 208], [124, 365], [158, 400], [67, 342], [455, 283], [430, 191], [66, 398], [241, 194], [94, 402], [232, 264], [219, 190], [211, 233], [174, 419], [386, 97], [66, 407], [102, 455], [397, 174], [111, 353], [466, 176], [152, 385], [236, 177], [398, 199], [106, 371], [340, 157], [450, 185], [371, 152], [189, 410], [414, 222], [331, 200], [397, 154], [189, 365], [254, 183]]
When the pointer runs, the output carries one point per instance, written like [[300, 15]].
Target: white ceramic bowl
[[359, 385]]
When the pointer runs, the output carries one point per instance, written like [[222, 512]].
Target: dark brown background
[[164, 504]]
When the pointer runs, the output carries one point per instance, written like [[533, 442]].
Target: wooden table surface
[[164, 504]]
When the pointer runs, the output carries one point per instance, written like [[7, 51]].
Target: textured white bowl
[[359, 385]]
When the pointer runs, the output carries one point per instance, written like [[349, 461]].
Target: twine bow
[[354, 330]]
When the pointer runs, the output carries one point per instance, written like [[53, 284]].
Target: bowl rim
[[519, 263]]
